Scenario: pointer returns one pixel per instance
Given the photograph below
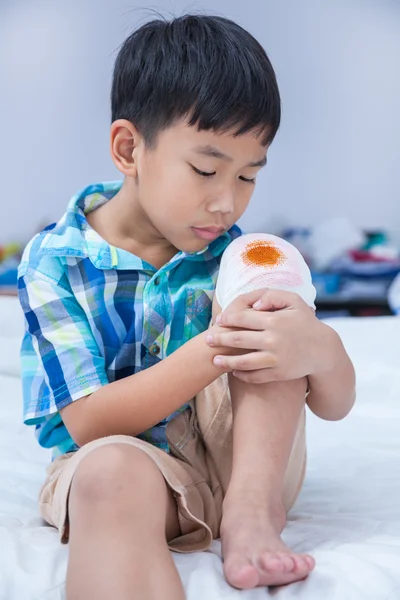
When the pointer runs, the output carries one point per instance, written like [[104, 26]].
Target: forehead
[[182, 136]]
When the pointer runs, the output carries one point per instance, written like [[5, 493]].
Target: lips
[[208, 233], [212, 229]]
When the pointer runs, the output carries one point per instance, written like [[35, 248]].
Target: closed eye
[[208, 174], [203, 173], [252, 180]]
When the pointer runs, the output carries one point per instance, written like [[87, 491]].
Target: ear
[[124, 142]]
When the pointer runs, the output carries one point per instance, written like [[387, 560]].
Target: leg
[[121, 515], [265, 420]]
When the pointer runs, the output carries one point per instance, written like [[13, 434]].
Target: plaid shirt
[[95, 313]]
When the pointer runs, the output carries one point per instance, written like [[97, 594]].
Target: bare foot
[[253, 551]]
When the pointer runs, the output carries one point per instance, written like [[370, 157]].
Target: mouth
[[208, 233]]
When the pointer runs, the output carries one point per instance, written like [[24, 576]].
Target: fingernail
[[210, 340], [218, 361], [257, 304], [218, 320]]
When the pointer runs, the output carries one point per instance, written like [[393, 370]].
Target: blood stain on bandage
[[263, 254]]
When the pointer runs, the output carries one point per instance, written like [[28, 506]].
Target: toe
[[310, 561], [241, 574], [301, 565], [287, 561], [295, 567], [271, 562]]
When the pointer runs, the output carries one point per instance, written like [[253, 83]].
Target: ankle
[[269, 508], [266, 497]]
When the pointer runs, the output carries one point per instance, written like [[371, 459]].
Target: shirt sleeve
[[60, 358]]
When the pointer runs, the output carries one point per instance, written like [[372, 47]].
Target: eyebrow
[[216, 153]]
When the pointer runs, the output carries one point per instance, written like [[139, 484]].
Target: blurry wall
[[337, 62]]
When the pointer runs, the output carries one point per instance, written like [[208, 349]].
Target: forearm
[[136, 403], [332, 391]]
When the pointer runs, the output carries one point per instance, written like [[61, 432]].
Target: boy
[[122, 375]]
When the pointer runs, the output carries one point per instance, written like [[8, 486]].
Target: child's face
[[193, 185]]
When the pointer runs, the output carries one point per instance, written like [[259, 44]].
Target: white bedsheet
[[348, 515]]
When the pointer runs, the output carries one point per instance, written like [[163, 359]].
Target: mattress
[[347, 516]]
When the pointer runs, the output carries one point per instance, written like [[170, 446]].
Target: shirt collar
[[72, 236]]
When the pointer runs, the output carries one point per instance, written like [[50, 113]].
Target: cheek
[[183, 195], [171, 192], [243, 200]]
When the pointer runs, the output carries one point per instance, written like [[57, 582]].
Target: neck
[[123, 224]]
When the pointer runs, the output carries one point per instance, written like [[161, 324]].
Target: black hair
[[204, 68]]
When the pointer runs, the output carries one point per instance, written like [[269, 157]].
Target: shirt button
[[155, 349], [157, 281]]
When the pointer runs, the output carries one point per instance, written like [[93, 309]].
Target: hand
[[289, 341]]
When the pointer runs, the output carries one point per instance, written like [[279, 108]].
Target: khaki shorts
[[197, 469]]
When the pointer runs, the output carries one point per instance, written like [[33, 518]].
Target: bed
[[347, 516]]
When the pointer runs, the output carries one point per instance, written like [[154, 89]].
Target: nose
[[223, 202]]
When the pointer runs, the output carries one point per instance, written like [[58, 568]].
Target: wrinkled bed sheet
[[347, 516]]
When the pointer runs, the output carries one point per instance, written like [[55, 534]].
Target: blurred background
[[332, 185]]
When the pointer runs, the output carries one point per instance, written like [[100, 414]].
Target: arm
[[292, 344], [136, 403], [332, 389], [74, 370]]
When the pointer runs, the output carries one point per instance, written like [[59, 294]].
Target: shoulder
[[37, 264], [48, 251]]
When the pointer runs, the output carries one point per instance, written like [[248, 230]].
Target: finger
[[277, 300], [246, 300], [246, 362], [245, 319], [247, 340], [249, 298], [258, 376]]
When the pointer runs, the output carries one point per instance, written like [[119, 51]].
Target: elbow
[[332, 411], [80, 438], [79, 433], [76, 422]]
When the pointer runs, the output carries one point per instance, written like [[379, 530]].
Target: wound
[[263, 254]]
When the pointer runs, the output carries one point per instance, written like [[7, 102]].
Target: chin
[[188, 243], [192, 247]]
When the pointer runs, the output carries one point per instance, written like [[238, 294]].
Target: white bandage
[[259, 260]]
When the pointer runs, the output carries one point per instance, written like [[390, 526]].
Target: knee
[[112, 473], [258, 261]]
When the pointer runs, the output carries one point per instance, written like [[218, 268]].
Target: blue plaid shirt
[[95, 313]]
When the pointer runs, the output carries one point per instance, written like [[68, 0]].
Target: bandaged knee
[[258, 261]]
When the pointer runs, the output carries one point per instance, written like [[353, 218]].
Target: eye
[[202, 173], [252, 180]]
